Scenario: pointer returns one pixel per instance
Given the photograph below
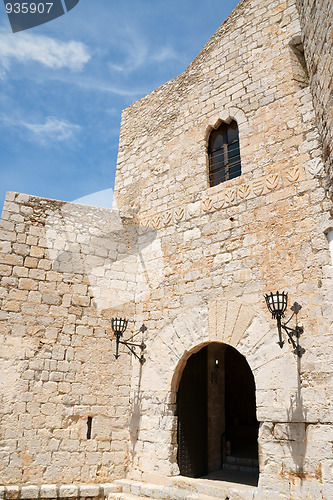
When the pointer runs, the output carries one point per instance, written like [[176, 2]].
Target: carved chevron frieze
[[225, 198]]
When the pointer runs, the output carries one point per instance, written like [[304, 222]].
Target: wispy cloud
[[103, 85], [94, 84], [26, 48], [165, 54], [53, 129], [137, 53]]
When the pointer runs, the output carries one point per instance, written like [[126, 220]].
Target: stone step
[[177, 495], [249, 462], [185, 488], [240, 468], [215, 488], [240, 464], [121, 496], [136, 489]]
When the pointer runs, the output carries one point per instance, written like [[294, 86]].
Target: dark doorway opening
[[192, 417], [241, 425], [217, 425]]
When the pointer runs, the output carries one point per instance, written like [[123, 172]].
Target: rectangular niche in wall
[[89, 427], [298, 63]]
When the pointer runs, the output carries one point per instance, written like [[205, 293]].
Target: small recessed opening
[[329, 236], [299, 67], [231, 219], [89, 426]]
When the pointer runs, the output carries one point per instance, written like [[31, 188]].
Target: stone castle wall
[[62, 277], [190, 261], [219, 249], [316, 21]]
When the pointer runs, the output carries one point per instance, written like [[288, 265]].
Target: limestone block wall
[[317, 20], [219, 249], [65, 270], [190, 261]]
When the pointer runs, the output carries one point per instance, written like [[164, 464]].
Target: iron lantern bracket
[[291, 332], [131, 346]]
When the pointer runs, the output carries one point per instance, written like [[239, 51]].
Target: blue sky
[[65, 83]]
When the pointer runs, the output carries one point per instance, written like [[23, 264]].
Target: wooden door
[[192, 416]]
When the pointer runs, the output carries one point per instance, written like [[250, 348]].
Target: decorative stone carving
[[219, 202], [293, 174], [156, 222], [179, 214], [145, 222], [230, 195], [316, 167], [207, 204], [194, 209], [258, 186], [222, 199], [167, 218], [244, 191], [272, 181]]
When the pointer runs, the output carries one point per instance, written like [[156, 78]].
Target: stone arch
[[227, 321], [209, 414], [226, 116], [181, 365], [232, 322]]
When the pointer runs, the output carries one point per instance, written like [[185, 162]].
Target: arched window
[[223, 153]]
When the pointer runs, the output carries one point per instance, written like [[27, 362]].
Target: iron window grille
[[224, 154]]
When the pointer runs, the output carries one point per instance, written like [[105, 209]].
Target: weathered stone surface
[[68, 491], [316, 22], [258, 233], [191, 262], [58, 365], [29, 492], [12, 492], [48, 491], [89, 490]]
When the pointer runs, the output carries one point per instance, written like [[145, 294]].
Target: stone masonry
[[192, 263], [221, 248], [316, 21], [63, 269]]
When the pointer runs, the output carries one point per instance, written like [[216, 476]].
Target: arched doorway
[[216, 409]]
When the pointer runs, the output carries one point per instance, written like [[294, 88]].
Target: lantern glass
[[119, 325], [277, 303]]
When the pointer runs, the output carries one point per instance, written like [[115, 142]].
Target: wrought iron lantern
[[277, 304], [119, 326]]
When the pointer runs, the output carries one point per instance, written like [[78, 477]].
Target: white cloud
[[61, 130], [53, 129], [27, 47]]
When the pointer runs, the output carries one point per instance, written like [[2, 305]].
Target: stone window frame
[[227, 164], [227, 116]]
